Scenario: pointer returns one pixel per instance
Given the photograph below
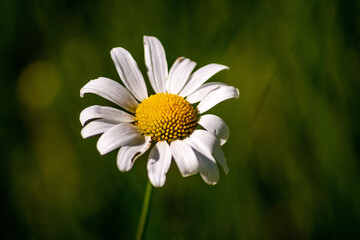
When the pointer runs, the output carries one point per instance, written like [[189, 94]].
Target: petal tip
[[123, 169], [156, 182], [212, 183], [158, 185], [114, 50], [221, 66], [82, 134], [237, 93], [222, 141], [146, 39], [100, 147]]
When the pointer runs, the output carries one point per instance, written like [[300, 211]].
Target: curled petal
[[129, 153], [217, 96], [220, 158], [105, 112], [96, 127], [204, 139], [216, 126], [119, 135], [207, 165], [204, 90], [112, 91], [201, 76], [205, 145], [208, 168]]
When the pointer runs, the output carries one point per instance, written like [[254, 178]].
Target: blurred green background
[[294, 146]]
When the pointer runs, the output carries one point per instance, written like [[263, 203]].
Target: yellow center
[[166, 117]]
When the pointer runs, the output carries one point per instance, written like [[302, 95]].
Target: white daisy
[[168, 118]]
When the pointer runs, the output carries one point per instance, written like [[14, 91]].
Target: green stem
[[144, 212]]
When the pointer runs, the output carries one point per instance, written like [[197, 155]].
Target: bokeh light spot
[[38, 85]]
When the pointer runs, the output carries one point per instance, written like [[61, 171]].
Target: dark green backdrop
[[294, 145]]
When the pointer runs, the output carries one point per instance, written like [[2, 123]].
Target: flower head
[[168, 119]]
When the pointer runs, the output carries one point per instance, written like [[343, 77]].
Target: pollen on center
[[166, 117]]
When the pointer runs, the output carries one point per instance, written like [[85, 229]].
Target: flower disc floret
[[166, 117]]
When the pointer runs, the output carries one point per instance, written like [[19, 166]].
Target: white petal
[[185, 158], [112, 91], [203, 144], [217, 96], [179, 74], [119, 135], [128, 154], [159, 163], [216, 126], [204, 139], [201, 76], [220, 158], [208, 169], [105, 112], [204, 90], [156, 64], [207, 144], [96, 127], [129, 73]]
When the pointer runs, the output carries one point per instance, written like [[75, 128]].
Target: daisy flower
[[169, 120]]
